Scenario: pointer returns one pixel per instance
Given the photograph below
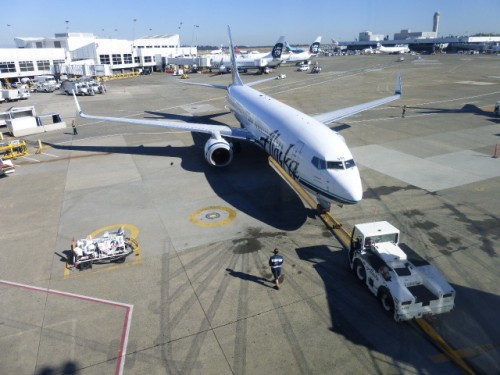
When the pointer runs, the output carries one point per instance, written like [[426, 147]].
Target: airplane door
[[297, 150]]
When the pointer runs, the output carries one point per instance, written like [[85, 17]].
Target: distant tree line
[[486, 34]]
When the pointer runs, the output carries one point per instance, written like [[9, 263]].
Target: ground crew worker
[[75, 132], [276, 262], [404, 111]]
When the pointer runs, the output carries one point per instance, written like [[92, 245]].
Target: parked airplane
[[305, 56], [259, 61], [393, 50], [310, 152], [289, 48]]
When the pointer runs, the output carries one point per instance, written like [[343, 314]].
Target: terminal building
[[84, 54], [424, 41]]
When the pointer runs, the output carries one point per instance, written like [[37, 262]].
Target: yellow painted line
[[293, 184], [344, 236], [333, 224], [467, 352], [134, 233], [453, 354]]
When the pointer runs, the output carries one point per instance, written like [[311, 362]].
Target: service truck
[[406, 284], [79, 87], [10, 95]]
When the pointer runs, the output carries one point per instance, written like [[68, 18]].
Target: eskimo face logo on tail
[[314, 48], [278, 48]]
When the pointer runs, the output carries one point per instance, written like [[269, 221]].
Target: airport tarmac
[[198, 299]]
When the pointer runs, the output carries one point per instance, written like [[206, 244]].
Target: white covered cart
[[111, 247]]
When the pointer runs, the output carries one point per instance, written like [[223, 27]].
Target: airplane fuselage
[[310, 152]]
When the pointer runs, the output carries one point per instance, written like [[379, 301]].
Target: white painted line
[[126, 324], [30, 159]]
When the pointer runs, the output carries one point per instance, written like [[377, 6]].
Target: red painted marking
[[126, 323]]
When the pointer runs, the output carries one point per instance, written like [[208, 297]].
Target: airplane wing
[[329, 117], [250, 84], [223, 130]]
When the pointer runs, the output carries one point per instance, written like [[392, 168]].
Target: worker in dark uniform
[[276, 262]]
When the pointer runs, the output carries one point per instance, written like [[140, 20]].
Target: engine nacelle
[[218, 151]]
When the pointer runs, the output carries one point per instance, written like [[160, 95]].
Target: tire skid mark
[[293, 341], [239, 359], [199, 339], [207, 264], [210, 270], [165, 331], [310, 301]]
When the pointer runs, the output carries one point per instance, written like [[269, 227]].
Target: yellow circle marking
[[195, 216]]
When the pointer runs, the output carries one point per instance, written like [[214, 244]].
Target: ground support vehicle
[[10, 95], [496, 110], [316, 69], [13, 149], [6, 167], [44, 87], [406, 284], [111, 247], [97, 87], [79, 87]]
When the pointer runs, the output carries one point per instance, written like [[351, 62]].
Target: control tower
[[435, 26]]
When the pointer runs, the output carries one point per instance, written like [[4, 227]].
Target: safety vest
[[276, 261]]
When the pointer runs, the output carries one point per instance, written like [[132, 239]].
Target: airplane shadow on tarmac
[[467, 108], [248, 184], [357, 315]]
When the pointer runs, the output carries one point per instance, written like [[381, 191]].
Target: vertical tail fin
[[234, 69], [278, 48], [314, 48]]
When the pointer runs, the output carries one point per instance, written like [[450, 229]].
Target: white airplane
[[393, 50], [303, 57], [261, 61], [310, 152]]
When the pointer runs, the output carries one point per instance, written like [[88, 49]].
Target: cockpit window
[[318, 163], [350, 163], [334, 165], [339, 164]]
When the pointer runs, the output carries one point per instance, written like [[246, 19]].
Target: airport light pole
[[11, 33], [179, 27], [192, 38], [133, 31], [67, 26]]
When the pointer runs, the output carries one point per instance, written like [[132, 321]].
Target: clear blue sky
[[257, 22]]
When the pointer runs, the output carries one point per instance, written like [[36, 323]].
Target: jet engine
[[218, 151]]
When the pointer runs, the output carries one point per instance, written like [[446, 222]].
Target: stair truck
[[407, 285]]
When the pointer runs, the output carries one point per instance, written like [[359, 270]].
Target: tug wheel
[[359, 271], [386, 301]]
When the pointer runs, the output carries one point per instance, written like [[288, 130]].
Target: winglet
[[234, 69], [399, 86], [78, 108]]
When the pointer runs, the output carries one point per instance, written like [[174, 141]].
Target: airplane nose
[[356, 192], [351, 189]]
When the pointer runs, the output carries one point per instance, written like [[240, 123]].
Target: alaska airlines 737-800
[[309, 151]]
